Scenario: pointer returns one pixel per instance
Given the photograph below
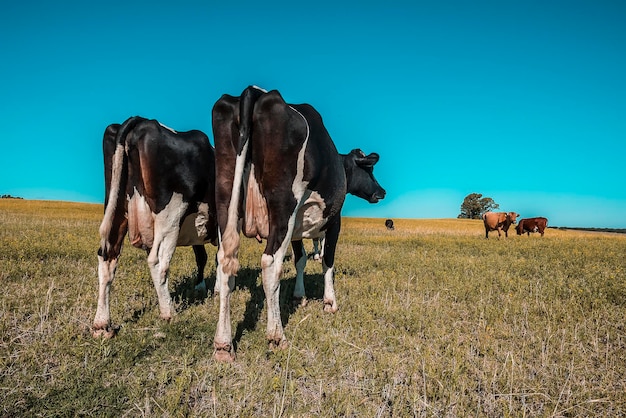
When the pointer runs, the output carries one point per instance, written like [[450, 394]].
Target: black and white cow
[[160, 189], [279, 177]]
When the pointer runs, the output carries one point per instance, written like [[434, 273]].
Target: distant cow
[[389, 224], [279, 177], [160, 189], [532, 225], [499, 221]]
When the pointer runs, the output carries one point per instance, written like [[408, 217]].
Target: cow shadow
[[186, 296], [249, 279], [185, 293]]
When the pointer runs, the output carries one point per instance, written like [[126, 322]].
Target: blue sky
[[522, 101]]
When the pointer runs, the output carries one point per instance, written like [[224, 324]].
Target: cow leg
[[316, 250], [272, 262], [201, 259], [224, 285], [108, 256], [272, 266], [299, 259], [106, 274], [328, 266], [159, 262]]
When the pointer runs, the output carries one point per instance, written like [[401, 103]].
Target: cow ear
[[367, 161]]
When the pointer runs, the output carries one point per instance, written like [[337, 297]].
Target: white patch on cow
[[259, 88], [310, 219], [330, 300], [202, 218], [169, 218], [299, 185], [109, 212], [168, 128], [193, 229], [166, 227]]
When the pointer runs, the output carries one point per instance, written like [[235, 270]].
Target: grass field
[[433, 320]]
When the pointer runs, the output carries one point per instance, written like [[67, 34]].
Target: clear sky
[[522, 101]]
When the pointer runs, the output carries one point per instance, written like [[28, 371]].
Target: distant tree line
[[8, 196], [474, 205]]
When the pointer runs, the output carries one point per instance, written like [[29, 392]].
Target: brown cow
[[499, 221], [531, 225]]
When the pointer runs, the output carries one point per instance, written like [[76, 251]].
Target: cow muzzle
[[379, 195]]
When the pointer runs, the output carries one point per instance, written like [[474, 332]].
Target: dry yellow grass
[[434, 320]]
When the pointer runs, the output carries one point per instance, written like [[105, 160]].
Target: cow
[[499, 221], [389, 224], [279, 176], [529, 225], [160, 190]]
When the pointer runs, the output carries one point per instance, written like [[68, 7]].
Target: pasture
[[433, 320]]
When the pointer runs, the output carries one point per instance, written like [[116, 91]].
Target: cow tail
[[118, 167], [246, 110], [230, 237]]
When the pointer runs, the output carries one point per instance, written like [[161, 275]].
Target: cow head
[[512, 217], [360, 176]]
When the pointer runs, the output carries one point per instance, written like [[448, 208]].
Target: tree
[[474, 205]]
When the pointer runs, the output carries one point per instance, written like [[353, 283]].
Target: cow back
[[493, 219]]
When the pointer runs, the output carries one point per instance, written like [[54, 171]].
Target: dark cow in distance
[[279, 177], [529, 225], [389, 224], [160, 190], [499, 221]]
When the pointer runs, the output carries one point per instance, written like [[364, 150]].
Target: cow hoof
[[224, 353], [296, 301], [104, 332], [166, 317], [330, 307], [281, 345]]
